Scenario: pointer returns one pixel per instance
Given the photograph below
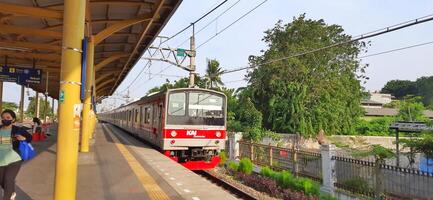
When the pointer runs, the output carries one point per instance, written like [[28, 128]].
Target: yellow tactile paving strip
[[152, 188]]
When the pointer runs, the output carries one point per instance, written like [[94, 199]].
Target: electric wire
[[231, 24], [179, 32], [199, 19], [394, 50], [213, 20], [368, 55], [354, 39]]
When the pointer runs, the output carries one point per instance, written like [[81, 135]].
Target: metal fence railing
[[357, 176], [302, 163], [364, 177]]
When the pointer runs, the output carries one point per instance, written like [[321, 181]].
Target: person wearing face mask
[[10, 160]]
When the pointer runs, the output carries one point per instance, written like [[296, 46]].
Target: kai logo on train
[[191, 132]]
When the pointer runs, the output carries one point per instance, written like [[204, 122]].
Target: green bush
[[286, 180], [326, 196], [307, 186], [245, 166], [233, 166], [223, 158], [358, 184], [267, 172]]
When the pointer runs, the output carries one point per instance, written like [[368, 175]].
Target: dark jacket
[[16, 130]]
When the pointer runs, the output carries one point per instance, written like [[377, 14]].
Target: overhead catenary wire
[[397, 49], [354, 39], [365, 56], [199, 19], [231, 24], [179, 32], [213, 20]]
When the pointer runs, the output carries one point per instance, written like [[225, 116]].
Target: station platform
[[118, 167]]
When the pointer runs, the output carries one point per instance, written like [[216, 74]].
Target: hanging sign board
[[20, 75]]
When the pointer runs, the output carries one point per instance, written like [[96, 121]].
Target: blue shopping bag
[[26, 150]]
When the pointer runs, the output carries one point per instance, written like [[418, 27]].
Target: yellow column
[[69, 101], [1, 96], [22, 104], [93, 112], [86, 129]]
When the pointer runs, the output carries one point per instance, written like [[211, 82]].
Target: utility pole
[[192, 58]]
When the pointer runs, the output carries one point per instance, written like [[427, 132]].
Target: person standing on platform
[[37, 125], [10, 159]]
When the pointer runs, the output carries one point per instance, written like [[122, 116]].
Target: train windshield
[[196, 108]]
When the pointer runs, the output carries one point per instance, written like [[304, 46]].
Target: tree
[[308, 93], [10, 105], [181, 83], [399, 88], [44, 106], [411, 109], [213, 73], [422, 87]]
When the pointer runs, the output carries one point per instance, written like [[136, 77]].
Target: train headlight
[[218, 134], [173, 134]]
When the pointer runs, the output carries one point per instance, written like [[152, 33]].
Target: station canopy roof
[[31, 36]]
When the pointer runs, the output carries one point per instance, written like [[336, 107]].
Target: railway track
[[237, 192]]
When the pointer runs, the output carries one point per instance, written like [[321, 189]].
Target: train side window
[[147, 112], [136, 115]]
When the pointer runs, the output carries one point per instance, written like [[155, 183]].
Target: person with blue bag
[[12, 139]]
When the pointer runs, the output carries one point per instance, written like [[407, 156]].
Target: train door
[[159, 125]]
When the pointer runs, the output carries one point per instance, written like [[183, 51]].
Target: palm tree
[[213, 73]]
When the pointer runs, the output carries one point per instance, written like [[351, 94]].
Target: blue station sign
[[20, 75]]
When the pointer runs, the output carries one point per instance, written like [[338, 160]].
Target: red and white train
[[188, 124]]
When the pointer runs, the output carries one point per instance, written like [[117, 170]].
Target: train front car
[[195, 127]]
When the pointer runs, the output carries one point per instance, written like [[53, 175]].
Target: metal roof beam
[[29, 55], [29, 31], [108, 60], [28, 45], [30, 11], [99, 86], [102, 77], [99, 37], [155, 15]]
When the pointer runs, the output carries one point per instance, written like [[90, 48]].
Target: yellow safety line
[[149, 184]]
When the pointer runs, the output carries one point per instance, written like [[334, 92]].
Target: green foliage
[[376, 126], [233, 166], [286, 180], [358, 184], [249, 116], [10, 105], [213, 73], [245, 166], [181, 83], [379, 152], [399, 88], [223, 157], [267, 172], [44, 106], [411, 109], [326, 196], [312, 92], [422, 87], [423, 144]]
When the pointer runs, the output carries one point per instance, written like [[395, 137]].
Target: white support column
[[328, 167], [234, 145]]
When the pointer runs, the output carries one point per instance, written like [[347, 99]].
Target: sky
[[233, 46]]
